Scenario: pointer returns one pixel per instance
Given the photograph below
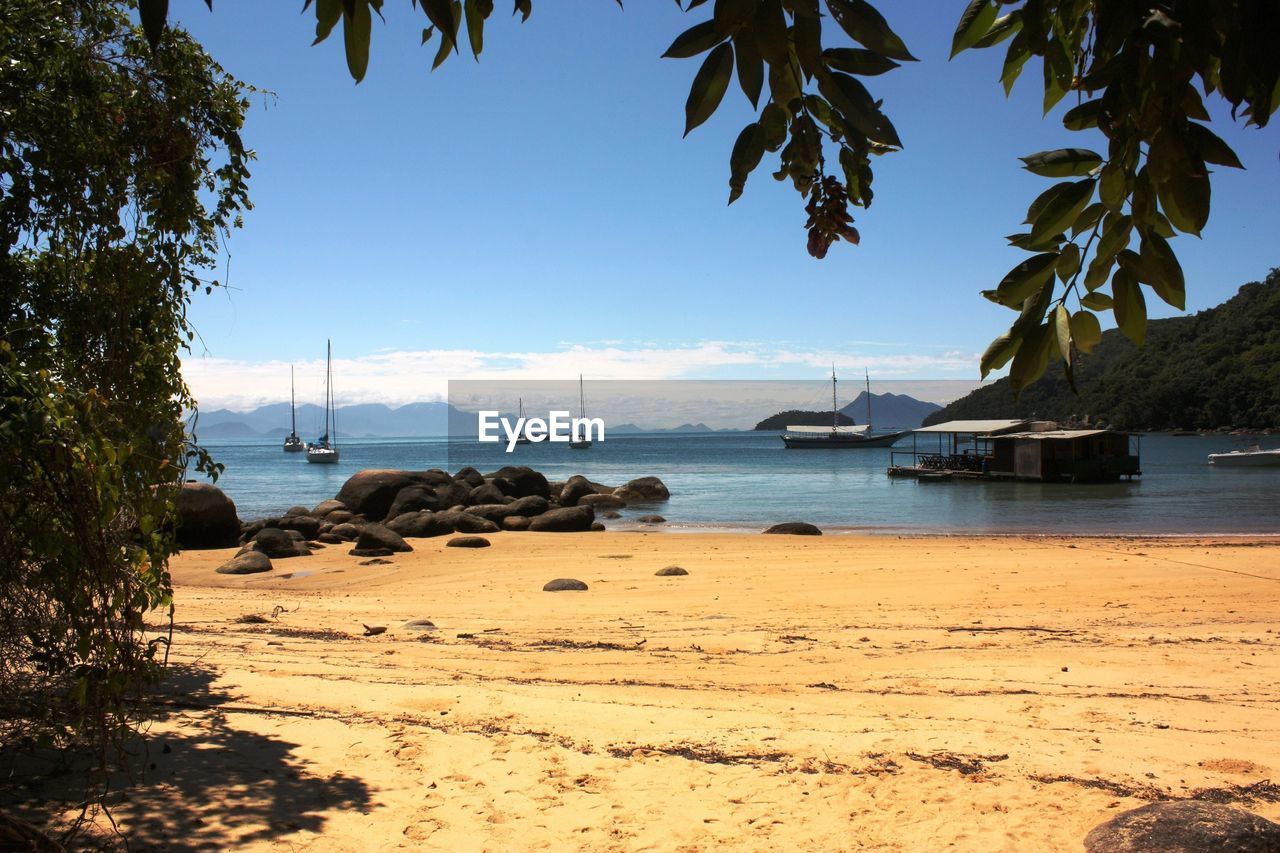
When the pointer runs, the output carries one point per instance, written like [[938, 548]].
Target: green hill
[[796, 417], [1216, 369]]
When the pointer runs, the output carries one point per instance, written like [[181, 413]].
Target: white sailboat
[[583, 443], [836, 436], [292, 443], [325, 450], [522, 439]]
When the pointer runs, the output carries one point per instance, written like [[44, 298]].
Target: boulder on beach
[[465, 522], [421, 624], [376, 535], [671, 572], [325, 507], [348, 530], [524, 481], [1184, 826], [611, 514], [564, 585], [487, 494], [330, 539], [515, 522], [598, 526], [206, 517], [419, 525], [307, 525], [278, 544], [795, 528], [575, 487], [596, 501], [567, 519], [372, 552], [651, 519], [643, 490], [339, 516], [370, 493], [296, 510], [246, 563], [467, 542], [470, 476], [414, 498]]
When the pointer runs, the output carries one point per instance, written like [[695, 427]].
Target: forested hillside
[[1218, 368]]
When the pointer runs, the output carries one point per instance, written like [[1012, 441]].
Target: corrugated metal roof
[[1057, 433], [843, 430], [982, 427]]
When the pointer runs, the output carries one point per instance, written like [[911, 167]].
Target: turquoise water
[[748, 480]]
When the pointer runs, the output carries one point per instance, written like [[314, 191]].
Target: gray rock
[[611, 514], [330, 539], [1184, 826], [278, 544], [574, 488], [487, 494], [306, 525], [347, 531], [567, 519], [598, 526], [795, 528], [380, 536], [339, 516], [515, 522], [601, 501], [414, 498], [470, 476], [206, 517], [376, 561], [296, 510], [371, 552], [564, 585], [419, 525], [651, 519], [370, 493], [671, 572], [524, 481], [325, 507], [422, 624], [467, 542], [643, 490], [465, 522], [248, 563]]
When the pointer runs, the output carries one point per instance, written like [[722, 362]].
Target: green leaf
[[999, 352], [1096, 301], [154, 15], [1062, 162], [525, 8], [1025, 279], [1129, 306], [1163, 271], [1057, 72], [1068, 263], [854, 60], [1062, 331], [445, 18], [773, 126], [1085, 329], [1083, 116], [1002, 29], [709, 86], [1015, 57], [1088, 218], [847, 94], [747, 152], [328, 13], [475, 26], [1211, 147], [807, 35], [974, 24], [771, 33], [1063, 209], [750, 67], [1032, 358], [695, 40], [731, 14], [448, 35], [355, 38], [868, 27]]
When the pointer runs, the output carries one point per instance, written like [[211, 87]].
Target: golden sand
[[790, 692]]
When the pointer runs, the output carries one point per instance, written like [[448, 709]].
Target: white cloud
[[399, 377]]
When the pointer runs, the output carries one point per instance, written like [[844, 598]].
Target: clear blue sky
[[539, 212]]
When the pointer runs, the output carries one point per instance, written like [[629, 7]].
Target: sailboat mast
[[582, 399], [293, 411], [835, 413], [868, 375]]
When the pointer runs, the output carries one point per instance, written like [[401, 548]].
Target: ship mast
[[835, 413], [293, 411], [868, 375]]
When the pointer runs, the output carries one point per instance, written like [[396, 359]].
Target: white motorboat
[[1248, 458]]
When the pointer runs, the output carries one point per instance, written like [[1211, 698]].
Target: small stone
[[376, 561], [671, 572], [371, 552], [1184, 826], [651, 519], [467, 542], [420, 625], [597, 526], [374, 630], [564, 585]]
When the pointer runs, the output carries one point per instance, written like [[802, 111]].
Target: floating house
[[1017, 450]]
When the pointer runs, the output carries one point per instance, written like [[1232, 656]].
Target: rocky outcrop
[[487, 494], [524, 481], [1184, 826], [307, 525], [278, 544], [569, 519], [574, 488], [643, 490], [206, 517], [371, 493], [470, 476]]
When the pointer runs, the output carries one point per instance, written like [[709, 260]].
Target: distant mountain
[[890, 411], [1218, 368], [370, 419], [798, 417], [629, 428]]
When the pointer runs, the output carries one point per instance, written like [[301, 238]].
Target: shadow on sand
[[197, 781]]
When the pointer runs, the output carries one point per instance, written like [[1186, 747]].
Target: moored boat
[[1250, 457], [292, 443], [837, 436], [583, 443], [325, 451]]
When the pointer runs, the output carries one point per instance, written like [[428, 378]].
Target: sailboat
[[325, 451], [583, 443], [836, 436], [292, 444], [522, 439]]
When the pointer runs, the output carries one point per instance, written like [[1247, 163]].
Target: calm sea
[[748, 481]]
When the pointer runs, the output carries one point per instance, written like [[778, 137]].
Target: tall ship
[[325, 450], [292, 443], [583, 443], [837, 437]]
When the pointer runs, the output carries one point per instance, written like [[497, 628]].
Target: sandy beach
[[791, 692]]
